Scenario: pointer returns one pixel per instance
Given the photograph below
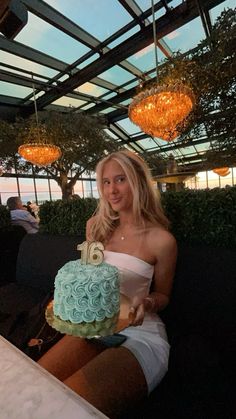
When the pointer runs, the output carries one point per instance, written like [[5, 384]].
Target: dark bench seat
[[200, 320], [201, 325], [39, 258], [10, 240]]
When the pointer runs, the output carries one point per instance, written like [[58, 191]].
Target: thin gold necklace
[[122, 237]]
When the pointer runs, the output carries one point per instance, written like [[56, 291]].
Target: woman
[[130, 223]]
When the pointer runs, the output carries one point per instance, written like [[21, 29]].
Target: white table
[[27, 391]]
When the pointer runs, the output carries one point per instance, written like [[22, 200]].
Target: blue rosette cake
[[86, 296]]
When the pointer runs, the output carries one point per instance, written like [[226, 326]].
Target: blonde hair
[[146, 200]]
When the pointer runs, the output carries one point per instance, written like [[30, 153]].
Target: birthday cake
[[86, 298]]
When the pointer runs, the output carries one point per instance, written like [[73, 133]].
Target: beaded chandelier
[[41, 154], [161, 110], [37, 150], [222, 171]]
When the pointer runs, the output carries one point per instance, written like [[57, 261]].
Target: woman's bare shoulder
[[163, 247], [160, 237]]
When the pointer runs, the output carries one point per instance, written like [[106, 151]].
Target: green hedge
[[66, 217], [203, 217]]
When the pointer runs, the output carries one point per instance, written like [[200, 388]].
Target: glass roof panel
[[123, 37], [116, 75], [187, 150], [68, 101], [128, 126], [91, 89], [134, 147], [145, 58], [86, 107], [111, 133], [10, 89], [96, 17], [44, 37], [24, 64], [202, 147], [108, 110], [177, 154], [87, 61], [186, 37], [216, 11], [147, 143], [147, 4]]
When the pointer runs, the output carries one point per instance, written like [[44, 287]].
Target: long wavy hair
[[146, 200]]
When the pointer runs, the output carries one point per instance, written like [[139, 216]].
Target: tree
[[210, 70], [81, 138]]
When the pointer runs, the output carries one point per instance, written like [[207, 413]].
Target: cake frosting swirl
[[87, 298]]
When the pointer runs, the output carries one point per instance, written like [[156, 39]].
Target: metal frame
[[105, 58]]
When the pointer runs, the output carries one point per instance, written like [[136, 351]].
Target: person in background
[[20, 215], [130, 223], [29, 208], [35, 209]]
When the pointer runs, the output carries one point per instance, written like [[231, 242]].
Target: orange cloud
[[173, 35], [144, 51]]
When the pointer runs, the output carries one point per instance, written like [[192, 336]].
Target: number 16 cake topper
[[91, 252]]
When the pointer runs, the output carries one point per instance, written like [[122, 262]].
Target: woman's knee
[[113, 381]]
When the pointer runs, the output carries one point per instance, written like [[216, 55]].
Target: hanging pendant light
[[161, 110], [39, 153], [222, 171], [37, 149]]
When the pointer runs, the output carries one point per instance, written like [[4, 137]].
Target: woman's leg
[[113, 382], [69, 355]]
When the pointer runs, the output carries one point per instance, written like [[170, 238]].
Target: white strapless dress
[[147, 342]]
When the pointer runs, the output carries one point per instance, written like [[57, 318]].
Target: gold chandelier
[[41, 154], [37, 150], [161, 110], [222, 171]]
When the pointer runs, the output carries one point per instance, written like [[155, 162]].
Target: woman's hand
[[137, 310]]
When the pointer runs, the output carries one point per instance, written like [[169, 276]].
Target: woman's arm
[[163, 244]]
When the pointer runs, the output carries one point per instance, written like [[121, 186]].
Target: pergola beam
[[179, 16], [23, 51], [56, 19], [134, 10]]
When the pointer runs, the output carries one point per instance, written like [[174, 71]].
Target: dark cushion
[[41, 255], [9, 246], [203, 299], [198, 380]]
